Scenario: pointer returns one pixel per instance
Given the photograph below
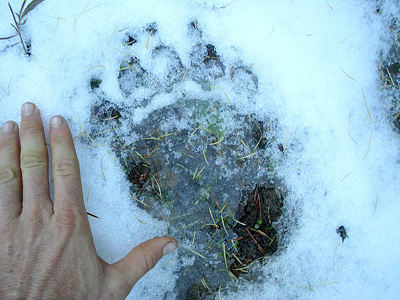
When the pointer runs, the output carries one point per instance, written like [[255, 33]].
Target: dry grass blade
[[31, 6], [21, 9], [8, 37], [18, 23], [17, 26]]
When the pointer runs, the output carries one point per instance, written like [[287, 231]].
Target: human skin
[[46, 247]]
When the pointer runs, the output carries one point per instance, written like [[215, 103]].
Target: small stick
[[255, 242]]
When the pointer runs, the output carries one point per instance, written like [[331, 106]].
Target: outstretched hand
[[46, 247]]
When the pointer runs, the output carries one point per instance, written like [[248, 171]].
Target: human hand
[[46, 247]]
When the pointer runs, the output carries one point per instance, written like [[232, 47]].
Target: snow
[[315, 62]]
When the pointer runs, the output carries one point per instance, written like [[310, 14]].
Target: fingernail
[[8, 127], [168, 248], [56, 121], [28, 108]]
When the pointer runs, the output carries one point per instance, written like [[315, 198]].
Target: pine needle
[[247, 156], [101, 166], [366, 106], [88, 135], [223, 225], [391, 80], [158, 190], [334, 256], [197, 173], [194, 252], [330, 6], [98, 66], [272, 31], [105, 131], [94, 146], [112, 35], [204, 283], [7, 91], [286, 139], [194, 237], [247, 82], [112, 157], [352, 138], [87, 197], [141, 202], [221, 138], [109, 119], [244, 144], [194, 131], [369, 146], [148, 40], [248, 67], [160, 138], [204, 153], [346, 176], [223, 207], [184, 75], [197, 31], [79, 135], [347, 74], [240, 262], [208, 130], [182, 166], [227, 98], [79, 121], [71, 123], [144, 223], [212, 217], [225, 260]]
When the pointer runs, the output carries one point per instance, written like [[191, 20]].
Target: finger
[[10, 173], [126, 272], [68, 198], [34, 161]]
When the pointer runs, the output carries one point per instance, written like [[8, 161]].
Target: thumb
[[141, 259]]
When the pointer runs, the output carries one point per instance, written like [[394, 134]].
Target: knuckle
[[35, 220], [33, 159], [65, 168], [149, 262], [58, 141], [67, 218], [30, 130], [8, 174]]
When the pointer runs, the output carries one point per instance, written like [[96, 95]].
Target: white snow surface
[[314, 61]]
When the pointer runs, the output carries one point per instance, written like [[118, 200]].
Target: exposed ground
[[200, 164]]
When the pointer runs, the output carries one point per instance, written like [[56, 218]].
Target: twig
[[255, 242]]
